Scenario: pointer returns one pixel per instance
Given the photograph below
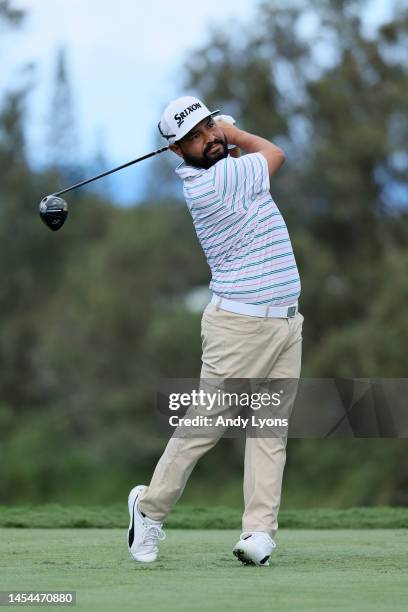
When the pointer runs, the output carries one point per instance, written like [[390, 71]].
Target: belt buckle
[[291, 311]]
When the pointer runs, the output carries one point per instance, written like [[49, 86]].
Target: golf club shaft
[[95, 178]]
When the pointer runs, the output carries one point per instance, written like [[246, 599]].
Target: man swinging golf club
[[250, 329]]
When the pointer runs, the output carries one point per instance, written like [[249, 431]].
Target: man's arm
[[254, 144]]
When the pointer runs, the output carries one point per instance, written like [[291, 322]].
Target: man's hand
[[225, 121], [230, 131]]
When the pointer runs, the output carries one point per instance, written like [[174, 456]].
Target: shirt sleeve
[[239, 180]]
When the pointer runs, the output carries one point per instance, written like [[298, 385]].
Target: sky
[[125, 62]]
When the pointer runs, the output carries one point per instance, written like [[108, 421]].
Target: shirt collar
[[185, 171]]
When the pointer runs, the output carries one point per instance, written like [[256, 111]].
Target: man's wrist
[[250, 143], [235, 137]]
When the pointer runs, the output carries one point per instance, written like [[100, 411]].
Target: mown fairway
[[311, 570]]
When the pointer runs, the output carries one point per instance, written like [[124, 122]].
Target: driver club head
[[53, 211]]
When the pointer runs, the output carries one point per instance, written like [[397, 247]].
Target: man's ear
[[176, 149]]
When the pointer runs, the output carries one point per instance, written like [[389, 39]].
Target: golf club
[[54, 210]]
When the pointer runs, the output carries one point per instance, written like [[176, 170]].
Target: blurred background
[[94, 315]]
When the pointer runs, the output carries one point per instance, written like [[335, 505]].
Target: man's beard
[[207, 160]]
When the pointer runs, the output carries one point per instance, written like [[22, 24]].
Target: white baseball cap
[[180, 116]]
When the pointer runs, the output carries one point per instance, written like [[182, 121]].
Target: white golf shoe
[[143, 533], [254, 548]]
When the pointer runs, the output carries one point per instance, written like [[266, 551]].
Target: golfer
[[250, 329]]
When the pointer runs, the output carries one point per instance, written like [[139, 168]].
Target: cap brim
[[202, 119]]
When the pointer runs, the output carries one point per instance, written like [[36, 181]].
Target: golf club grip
[[95, 178]]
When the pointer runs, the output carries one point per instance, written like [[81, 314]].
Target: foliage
[[56, 516], [94, 315]]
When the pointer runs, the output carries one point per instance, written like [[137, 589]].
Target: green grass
[[360, 570], [196, 517]]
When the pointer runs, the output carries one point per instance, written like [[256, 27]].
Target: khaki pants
[[235, 346]]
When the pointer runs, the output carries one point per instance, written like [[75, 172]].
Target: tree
[[9, 14], [333, 97], [62, 136]]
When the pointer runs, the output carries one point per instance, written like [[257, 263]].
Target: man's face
[[203, 146]]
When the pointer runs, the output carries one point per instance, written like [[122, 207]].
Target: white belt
[[255, 310]]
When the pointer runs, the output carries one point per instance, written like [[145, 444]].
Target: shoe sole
[[241, 555]]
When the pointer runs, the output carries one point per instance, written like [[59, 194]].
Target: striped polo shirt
[[241, 231]]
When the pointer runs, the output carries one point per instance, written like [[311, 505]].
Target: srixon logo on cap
[[179, 117]]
